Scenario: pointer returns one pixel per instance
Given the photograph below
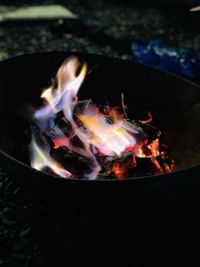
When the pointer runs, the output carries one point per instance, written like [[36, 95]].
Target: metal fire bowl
[[144, 221]]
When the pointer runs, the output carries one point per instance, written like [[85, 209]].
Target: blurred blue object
[[154, 53]]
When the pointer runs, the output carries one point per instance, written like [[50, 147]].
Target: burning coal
[[78, 139]]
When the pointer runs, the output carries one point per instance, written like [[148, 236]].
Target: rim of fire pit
[[62, 179], [101, 57]]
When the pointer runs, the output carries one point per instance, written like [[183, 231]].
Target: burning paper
[[105, 141]]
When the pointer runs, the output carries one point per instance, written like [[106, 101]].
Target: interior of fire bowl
[[173, 102]]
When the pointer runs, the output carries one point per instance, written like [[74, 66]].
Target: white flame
[[42, 159]]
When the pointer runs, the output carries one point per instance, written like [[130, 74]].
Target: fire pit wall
[[151, 220]]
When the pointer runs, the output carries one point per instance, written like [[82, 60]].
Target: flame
[[110, 139], [106, 132], [60, 139], [62, 98], [41, 159]]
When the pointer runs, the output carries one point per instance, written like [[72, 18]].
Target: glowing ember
[[105, 140]]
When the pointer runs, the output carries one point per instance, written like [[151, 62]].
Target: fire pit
[[156, 213]]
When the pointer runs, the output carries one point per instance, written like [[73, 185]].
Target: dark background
[[104, 27]]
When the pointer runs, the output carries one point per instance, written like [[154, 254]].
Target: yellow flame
[[48, 95], [110, 139]]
